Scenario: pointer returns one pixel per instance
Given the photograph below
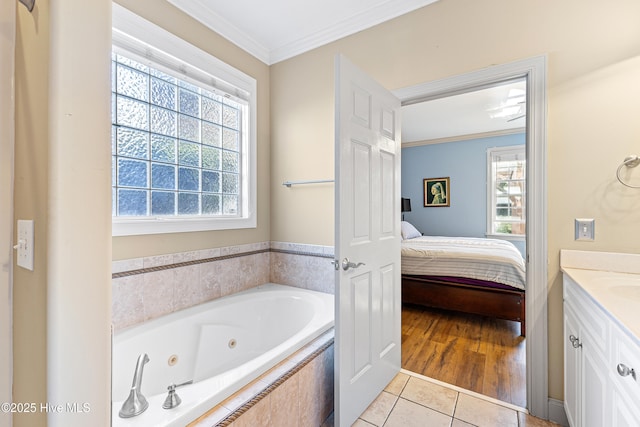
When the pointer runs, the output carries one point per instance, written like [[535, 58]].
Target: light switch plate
[[585, 229], [25, 244]]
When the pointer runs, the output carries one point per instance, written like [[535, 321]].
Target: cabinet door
[[595, 391], [572, 367], [623, 412]]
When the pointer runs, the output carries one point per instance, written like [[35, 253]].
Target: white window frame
[[491, 194], [140, 36]]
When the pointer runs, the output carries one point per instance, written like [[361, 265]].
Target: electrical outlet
[[585, 229]]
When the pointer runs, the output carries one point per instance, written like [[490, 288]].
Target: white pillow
[[408, 231]]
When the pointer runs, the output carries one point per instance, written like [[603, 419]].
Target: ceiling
[[495, 109], [276, 30]]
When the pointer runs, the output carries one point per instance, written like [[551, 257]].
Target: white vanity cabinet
[[586, 337], [624, 368], [595, 349]]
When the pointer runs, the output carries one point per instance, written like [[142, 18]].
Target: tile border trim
[[212, 259], [303, 253]]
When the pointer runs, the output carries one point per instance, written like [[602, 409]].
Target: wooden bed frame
[[493, 302]]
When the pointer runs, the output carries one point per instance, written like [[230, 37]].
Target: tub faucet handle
[[173, 399], [136, 403]]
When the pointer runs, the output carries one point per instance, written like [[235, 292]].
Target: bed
[[471, 275]]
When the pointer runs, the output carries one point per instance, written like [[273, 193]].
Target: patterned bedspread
[[476, 258]]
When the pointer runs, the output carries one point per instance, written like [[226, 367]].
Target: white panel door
[[7, 23], [368, 306]]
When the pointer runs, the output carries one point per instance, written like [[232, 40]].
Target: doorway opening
[[477, 140], [533, 71]]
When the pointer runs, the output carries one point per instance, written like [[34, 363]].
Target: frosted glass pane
[[133, 143], [132, 113], [163, 149], [163, 121], [164, 76], [211, 95], [210, 158], [189, 103], [113, 140], [188, 128], [230, 117], [230, 183], [113, 108], [132, 173], [163, 94], [113, 75], [211, 134], [113, 171], [230, 205], [132, 202], [163, 203], [188, 204], [163, 176], [186, 85], [189, 154], [175, 146], [132, 83], [188, 179], [211, 181], [211, 204], [230, 139], [211, 110], [230, 161], [131, 63]]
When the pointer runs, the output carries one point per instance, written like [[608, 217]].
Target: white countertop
[[612, 280]]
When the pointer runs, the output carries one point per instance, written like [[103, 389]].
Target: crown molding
[[202, 11], [466, 137], [369, 18]]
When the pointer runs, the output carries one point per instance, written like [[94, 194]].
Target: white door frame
[[7, 49], [534, 70]]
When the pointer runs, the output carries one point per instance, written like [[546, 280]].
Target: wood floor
[[473, 352]]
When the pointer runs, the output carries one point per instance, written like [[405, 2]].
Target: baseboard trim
[[557, 413]]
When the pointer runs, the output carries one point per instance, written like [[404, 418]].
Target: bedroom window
[[506, 184], [183, 135]]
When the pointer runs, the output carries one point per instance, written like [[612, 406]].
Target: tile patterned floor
[[414, 400]]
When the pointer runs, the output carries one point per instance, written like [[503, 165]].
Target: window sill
[[511, 237], [142, 226]]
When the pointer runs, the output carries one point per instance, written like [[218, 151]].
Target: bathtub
[[221, 345]]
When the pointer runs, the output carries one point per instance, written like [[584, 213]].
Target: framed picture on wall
[[436, 192]]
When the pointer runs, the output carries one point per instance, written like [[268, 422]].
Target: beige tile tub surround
[[305, 266], [147, 288], [297, 392]]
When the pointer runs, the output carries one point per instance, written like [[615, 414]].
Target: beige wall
[[170, 18], [30, 202], [593, 53]]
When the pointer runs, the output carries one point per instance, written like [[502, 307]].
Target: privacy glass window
[[176, 146], [507, 174]]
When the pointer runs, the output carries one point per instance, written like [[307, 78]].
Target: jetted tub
[[221, 345]]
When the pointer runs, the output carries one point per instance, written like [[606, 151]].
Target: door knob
[[346, 264]]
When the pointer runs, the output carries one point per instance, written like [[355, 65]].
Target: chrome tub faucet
[[136, 403]]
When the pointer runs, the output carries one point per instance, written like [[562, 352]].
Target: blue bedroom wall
[[465, 163]]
